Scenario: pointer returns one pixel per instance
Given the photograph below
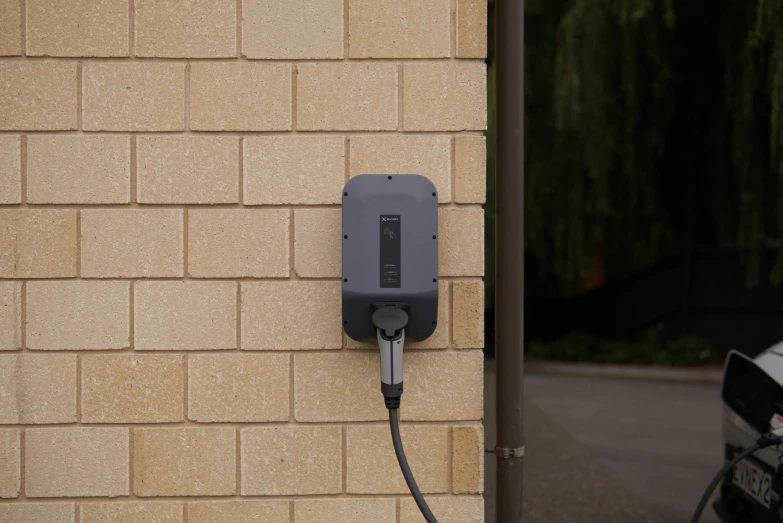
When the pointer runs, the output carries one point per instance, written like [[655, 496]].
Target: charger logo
[[388, 232], [390, 218]]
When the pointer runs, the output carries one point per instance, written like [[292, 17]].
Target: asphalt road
[[612, 450]]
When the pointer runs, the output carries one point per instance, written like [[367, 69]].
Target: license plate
[[752, 480]]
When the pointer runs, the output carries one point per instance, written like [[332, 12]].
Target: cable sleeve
[[406, 470]]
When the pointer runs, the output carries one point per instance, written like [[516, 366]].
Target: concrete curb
[[642, 372]]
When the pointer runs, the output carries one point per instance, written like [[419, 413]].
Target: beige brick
[[291, 315], [78, 315], [452, 509], [78, 169], [10, 166], [459, 87], [10, 457], [294, 169], [37, 96], [186, 28], [467, 459], [428, 156], [130, 388], [345, 510], [439, 338], [470, 169], [471, 29], [155, 512], [184, 462], [10, 315], [292, 29], [76, 462], [189, 315], [240, 96], [37, 388], [291, 460], [246, 511], [443, 386], [239, 387], [77, 28], [316, 243], [372, 466], [338, 387], [249, 243], [132, 243], [38, 513], [188, 169], [10, 28], [346, 96], [468, 319], [399, 28], [37, 243], [461, 249], [133, 96]]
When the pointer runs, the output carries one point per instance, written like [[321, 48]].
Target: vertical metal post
[[509, 264]]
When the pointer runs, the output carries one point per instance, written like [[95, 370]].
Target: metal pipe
[[509, 264]]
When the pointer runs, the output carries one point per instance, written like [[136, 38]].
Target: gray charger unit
[[390, 252], [390, 279]]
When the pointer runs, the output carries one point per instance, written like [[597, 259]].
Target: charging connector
[[390, 320]]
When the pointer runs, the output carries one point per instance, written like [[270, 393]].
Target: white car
[[752, 394]]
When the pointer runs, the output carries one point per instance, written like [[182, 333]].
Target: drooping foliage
[[651, 126]]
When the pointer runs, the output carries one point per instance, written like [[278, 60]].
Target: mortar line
[[23, 168], [449, 459], [178, 206], [184, 512], [131, 29], [131, 457], [186, 373], [233, 59], [78, 243], [187, 97], [23, 315], [453, 169], [241, 175], [238, 458], [23, 24], [79, 95], [291, 511], [257, 497], [291, 247], [185, 274], [78, 513], [450, 319], [347, 159], [78, 388], [291, 391], [294, 76], [453, 29], [239, 28], [397, 510], [132, 317], [344, 460], [133, 170], [239, 316], [346, 30], [22, 458], [350, 132], [400, 99]]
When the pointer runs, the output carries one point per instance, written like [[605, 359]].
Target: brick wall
[[170, 179]]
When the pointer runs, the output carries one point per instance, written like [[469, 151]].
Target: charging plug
[[390, 321]]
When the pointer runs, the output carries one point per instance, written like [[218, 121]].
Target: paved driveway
[[612, 450]]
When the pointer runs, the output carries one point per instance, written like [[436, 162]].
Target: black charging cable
[[767, 440], [390, 321], [406, 470]]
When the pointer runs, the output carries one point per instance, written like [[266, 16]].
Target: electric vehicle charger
[[390, 280]]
